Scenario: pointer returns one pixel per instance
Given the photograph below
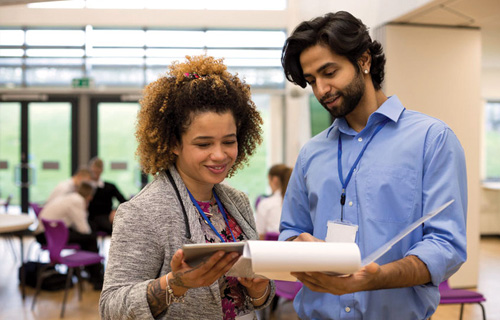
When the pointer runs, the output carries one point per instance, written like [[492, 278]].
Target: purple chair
[[37, 209], [6, 203], [287, 289], [460, 296], [57, 233], [271, 236]]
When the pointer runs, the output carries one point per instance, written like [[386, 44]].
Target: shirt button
[[360, 139], [347, 309], [350, 203]]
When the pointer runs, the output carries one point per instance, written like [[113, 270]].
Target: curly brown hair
[[169, 104]]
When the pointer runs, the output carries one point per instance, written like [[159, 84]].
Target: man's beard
[[351, 95]]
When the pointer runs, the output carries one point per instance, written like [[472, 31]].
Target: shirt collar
[[98, 184], [391, 109]]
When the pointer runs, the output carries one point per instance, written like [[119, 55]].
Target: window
[[132, 57], [492, 136], [252, 178], [320, 118]]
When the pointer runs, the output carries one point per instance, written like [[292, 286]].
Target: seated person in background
[[101, 212], [70, 185], [71, 208], [269, 209]]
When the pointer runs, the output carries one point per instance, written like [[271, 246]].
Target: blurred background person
[[269, 209], [70, 185], [101, 210], [71, 208]]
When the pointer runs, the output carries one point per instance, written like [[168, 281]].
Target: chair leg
[[80, 283], [40, 277], [68, 279], [482, 308], [461, 311], [12, 249]]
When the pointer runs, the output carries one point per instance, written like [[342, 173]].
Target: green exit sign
[[82, 83]]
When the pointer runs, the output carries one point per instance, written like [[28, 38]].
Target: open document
[[276, 259]]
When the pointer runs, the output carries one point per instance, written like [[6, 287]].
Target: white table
[[16, 225], [14, 222]]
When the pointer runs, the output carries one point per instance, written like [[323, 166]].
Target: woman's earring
[[366, 71]]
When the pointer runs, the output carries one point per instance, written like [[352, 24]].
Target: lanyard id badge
[[341, 231], [345, 182]]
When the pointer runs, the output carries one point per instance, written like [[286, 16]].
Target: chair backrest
[[56, 234], [7, 202], [443, 286], [271, 236], [286, 289], [36, 208]]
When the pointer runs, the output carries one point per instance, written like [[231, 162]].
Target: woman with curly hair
[[196, 126]]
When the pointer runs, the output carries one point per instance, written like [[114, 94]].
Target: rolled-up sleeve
[[443, 248]]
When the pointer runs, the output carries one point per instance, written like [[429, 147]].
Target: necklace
[[221, 208]]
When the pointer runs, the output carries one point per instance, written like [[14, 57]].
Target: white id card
[[339, 231]]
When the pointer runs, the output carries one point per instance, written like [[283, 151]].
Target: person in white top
[[269, 209], [71, 208], [70, 185]]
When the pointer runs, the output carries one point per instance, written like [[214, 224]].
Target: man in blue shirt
[[378, 168]]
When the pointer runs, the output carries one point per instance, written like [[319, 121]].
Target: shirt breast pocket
[[390, 194]]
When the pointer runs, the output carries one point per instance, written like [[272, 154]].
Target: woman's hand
[[183, 277], [256, 288]]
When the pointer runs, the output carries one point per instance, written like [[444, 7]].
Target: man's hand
[[307, 237], [365, 279], [407, 272]]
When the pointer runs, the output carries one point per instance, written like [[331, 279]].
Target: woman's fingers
[[176, 262], [223, 265], [206, 272]]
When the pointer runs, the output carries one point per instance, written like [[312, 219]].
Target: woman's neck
[[200, 192]]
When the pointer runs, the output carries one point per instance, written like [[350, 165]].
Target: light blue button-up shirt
[[412, 166]]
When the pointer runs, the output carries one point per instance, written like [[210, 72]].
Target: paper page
[[276, 259], [380, 252]]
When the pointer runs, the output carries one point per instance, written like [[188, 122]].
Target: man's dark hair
[[343, 33]]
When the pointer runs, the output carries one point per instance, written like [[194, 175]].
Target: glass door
[[113, 140], [50, 141], [10, 153], [37, 149]]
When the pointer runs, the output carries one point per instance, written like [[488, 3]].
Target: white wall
[[437, 71]]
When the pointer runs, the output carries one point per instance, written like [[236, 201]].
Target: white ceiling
[[469, 13]]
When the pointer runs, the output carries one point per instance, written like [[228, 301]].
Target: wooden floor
[[48, 306]]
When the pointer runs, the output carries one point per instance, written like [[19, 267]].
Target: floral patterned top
[[233, 294]]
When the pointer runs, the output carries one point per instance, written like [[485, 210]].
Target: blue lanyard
[[349, 175], [221, 208]]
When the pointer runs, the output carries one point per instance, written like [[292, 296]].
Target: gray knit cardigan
[[147, 231]]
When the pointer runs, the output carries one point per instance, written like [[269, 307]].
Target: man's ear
[[365, 61]]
